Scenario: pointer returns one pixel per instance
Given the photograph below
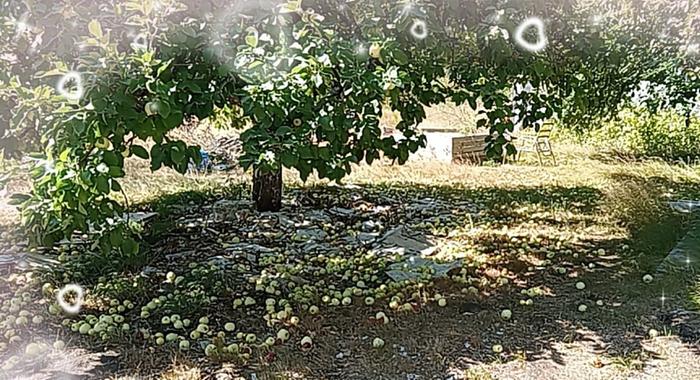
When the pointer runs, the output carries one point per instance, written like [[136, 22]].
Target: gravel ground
[[669, 359]]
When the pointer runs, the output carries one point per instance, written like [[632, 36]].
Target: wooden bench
[[469, 149]]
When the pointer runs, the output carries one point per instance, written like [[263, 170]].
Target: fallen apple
[[506, 314], [306, 343]]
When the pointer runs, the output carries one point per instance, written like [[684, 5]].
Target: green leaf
[[252, 40], [472, 102], [95, 29], [400, 57], [116, 171], [17, 199], [283, 130], [110, 158], [115, 238], [177, 155], [164, 66], [192, 86], [304, 170], [102, 184], [129, 247], [50, 73], [174, 119], [156, 157], [139, 151], [288, 159], [163, 109], [403, 155], [290, 6]]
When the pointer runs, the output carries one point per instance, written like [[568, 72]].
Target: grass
[[604, 221]]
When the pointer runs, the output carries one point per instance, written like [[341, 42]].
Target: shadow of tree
[[440, 338], [522, 235]]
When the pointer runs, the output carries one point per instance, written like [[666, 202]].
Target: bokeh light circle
[[530, 22], [76, 92], [78, 303], [419, 29], [140, 42]]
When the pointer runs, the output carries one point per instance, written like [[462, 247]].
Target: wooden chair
[[538, 142]]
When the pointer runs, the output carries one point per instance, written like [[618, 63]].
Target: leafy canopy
[[308, 81]]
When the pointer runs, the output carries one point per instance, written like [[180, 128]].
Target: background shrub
[[641, 133]]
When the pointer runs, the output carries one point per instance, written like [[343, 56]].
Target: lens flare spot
[[531, 22], [70, 86], [69, 308], [419, 30]]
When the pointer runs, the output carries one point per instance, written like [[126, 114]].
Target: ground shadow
[[525, 234]]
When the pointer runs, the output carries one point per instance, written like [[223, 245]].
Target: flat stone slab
[[25, 260], [408, 241], [686, 254], [411, 268], [685, 206]]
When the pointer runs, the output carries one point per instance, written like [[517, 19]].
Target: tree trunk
[[267, 190]]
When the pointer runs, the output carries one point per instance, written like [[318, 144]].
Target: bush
[[641, 133]]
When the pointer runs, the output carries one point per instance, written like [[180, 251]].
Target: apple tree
[[308, 81]]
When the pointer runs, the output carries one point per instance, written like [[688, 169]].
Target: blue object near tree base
[[204, 163]]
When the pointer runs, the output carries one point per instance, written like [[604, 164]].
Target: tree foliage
[[309, 78]]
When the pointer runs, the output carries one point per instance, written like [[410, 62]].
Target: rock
[[221, 262], [424, 204], [687, 323], [7, 260], [310, 234], [685, 206], [339, 211], [402, 351], [179, 255], [686, 254], [379, 209], [318, 216], [140, 217], [367, 237], [370, 226], [411, 268], [149, 270], [469, 308], [410, 241], [248, 248], [285, 221]]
